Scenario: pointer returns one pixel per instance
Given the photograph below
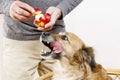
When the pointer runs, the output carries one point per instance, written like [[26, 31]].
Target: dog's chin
[[55, 47]]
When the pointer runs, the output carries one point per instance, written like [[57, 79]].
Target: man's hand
[[55, 15], [20, 11]]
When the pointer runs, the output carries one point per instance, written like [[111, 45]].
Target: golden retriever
[[69, 59]]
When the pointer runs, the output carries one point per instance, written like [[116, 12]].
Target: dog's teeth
[[62, 33], [47, 42], [40, 39], [42, 50]]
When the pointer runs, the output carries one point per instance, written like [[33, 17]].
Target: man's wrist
[[59, 13]]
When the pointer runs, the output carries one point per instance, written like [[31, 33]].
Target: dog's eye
[[64, 37]]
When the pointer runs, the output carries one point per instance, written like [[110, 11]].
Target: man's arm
[[67, 6]]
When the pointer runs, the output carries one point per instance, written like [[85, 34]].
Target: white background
[[97, 23], [1, 47]]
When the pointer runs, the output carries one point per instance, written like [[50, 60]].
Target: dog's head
[[62, 42], [69, 45]]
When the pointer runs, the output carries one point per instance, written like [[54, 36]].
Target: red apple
[[41, 19], [37, 11], [47, 17]]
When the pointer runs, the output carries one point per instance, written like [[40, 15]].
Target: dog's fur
[[75, 62]]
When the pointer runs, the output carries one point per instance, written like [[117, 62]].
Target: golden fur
[[76, 62]]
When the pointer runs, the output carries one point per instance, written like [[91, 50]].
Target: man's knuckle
[[15, 3], [21, 12], [20, 17], [53, 22]]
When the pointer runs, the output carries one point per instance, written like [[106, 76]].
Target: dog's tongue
[[57, 47]]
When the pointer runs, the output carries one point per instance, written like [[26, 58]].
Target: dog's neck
[[62, 69]]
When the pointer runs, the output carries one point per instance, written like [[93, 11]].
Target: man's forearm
[[68, 5]]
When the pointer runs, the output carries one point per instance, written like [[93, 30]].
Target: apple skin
[[40, 20], [47, 17], [37, 11]]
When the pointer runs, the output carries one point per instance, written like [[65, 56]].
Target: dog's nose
[[45, 33]]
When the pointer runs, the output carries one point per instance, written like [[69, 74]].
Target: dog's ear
[[82, 56], [89, 54]]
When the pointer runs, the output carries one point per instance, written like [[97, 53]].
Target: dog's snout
[[46, 33]]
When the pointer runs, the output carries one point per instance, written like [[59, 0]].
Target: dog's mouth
[[55, 48]]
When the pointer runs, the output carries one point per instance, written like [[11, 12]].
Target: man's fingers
[[25, 6], [23, 12], [50, 24], [55, 14], [20, 11], [50, 10], [41, 29], [45, 29], [18, 17]]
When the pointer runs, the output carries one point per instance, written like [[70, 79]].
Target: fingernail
[[46, 26], [33, 10], [40, 28]]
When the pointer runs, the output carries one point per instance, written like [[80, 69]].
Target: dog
[[69, 59]]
